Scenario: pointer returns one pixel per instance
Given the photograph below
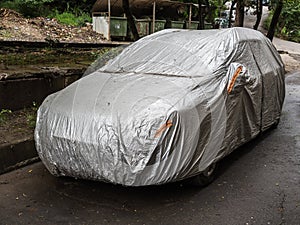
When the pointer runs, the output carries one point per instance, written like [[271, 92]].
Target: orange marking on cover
[[163, 128], [236, 74]]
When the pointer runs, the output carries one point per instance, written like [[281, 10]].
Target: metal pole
[[190, 16], [153, 19], [108, 5]]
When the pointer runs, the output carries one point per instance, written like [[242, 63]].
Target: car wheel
[[206, 177], [275, 124]]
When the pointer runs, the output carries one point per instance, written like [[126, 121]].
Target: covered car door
[[273, 88]]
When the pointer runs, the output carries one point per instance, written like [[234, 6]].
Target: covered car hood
[[114, 122]]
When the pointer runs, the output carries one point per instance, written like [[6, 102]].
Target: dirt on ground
[[16, 125], [291, 62], [14, 27]]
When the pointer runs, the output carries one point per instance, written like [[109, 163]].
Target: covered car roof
[[165, 109], [193, 52]]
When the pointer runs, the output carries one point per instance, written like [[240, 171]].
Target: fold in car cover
[[165, 109]]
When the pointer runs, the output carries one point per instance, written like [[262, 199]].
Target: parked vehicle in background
[[221, 23], [265, 2], [226, 14]]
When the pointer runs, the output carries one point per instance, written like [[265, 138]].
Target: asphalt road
[[258, 184]]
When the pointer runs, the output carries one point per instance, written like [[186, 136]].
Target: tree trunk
[[275, 19], [230, 12], [130, 19], [239, 19], [207, 9], [200, 14], [259, 9]]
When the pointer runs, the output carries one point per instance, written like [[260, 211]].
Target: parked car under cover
[[167, 108]]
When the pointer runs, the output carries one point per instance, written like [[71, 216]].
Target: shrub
[[28, 8], [66, 18], [31, 116], [288, 26], [70, 18], [4, 114]]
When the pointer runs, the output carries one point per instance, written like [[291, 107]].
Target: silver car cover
[[165, 109]]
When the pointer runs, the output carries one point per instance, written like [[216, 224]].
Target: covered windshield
[[175, 52]]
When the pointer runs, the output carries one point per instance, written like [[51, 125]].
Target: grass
[[17, 125], [65, 57], [5, 34], [72, 19], [31, 116], [4, 115]]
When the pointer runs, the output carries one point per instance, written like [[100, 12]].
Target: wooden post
[[108, 5], [190, 16], [153, 19]]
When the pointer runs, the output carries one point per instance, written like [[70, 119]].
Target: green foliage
[[288, 26], [70, 18], [6, 34], [267, 22], [75, 13], [31, 120], [31, 117], [9, 5], [65, 18], [289, 23], [28, 8], [71, 12], [74, 6], [215, 6], [3, 115]]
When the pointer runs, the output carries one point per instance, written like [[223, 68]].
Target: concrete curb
[[18, 154], [45, 44], [19, 93]]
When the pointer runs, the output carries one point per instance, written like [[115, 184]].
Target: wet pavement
[[258, 184]]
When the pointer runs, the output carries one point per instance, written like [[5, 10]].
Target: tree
[[259, 8], [230, 12], [239, 19], [200, 14], [274, 21], [130, 19], [74, 6], [288, 25]]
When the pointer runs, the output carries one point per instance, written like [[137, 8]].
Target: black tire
[[206, 177], [275, 124]]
